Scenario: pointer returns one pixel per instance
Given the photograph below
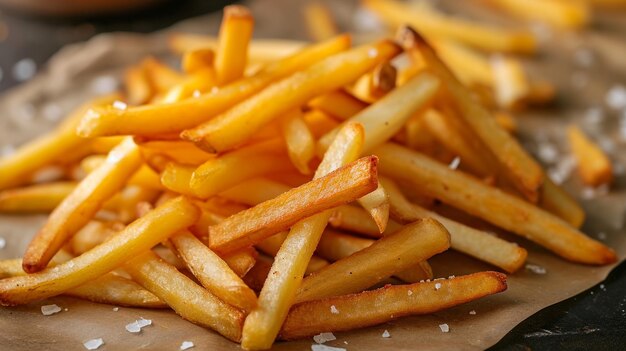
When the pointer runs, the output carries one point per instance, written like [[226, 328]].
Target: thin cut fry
[[360, 221], [188, 299], [138, 88], [212, 272], [432, 23], [557, 201], [238, 124], [493, 205], [198, 60], [272, 245], [279, 290], [319, 21], [35, 198], [235, 34], [394, 253], [139, 236], [388, 303], [560, 13], [78, 208], [91, 235], [510, 82], [470, 66], [157, 119], [377, 204], [299, 140], [241, 261], [339, 104], [465, 239], [593, 164], [376, 84], [253, 225], [162, 77]]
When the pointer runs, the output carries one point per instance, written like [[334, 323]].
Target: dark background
[[593, 320]]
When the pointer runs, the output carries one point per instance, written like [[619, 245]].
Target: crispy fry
[[470, 66], [176, 177], [339, 104], [394, 253], [254, 191], [358, 220], [593, 164], [374, 85], [197, 60], [241, 261], [258, 274], [319, 123], [510, 82], [319, 21], [157, 119], [387, 303], [432, 23], [138, 87], [377, 204], [559, 13], [182, 152], [78, 207], [465, 239], [35, 198], [139, 236], [291, 260], [192, 86], [299, 140], [236, 125], [188, 299], [212, 272], [558, 202], [493, 205], [91, 235], [272, 244], [161, 77], [515, 163], [235, 34], [15, 169]]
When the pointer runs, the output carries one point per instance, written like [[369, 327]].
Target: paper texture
[[91, 68]]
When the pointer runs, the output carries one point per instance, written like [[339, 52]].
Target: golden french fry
[[79, 207], [125, 203], [299, 139], [493, 205], [16, 168], [374, 85], [272, 244], [91, 235], [238, 124], [339, 104], [188, 299], [377, 204], [470, 66], [319, 21], [559, 13], [510, 82], [138, 237], [319, 123], [263, 323], [432, 23], [558, 202], [506, 121], [235, 34], [182, 152], [254, 191], [314, 317], [394, 253], [417, 134], [360, 221], [197, 60], [138, 87], [194, 85], [256, 277], [241, 261], [161, 77], [593, 164], [212, 272], [465, 239], [157, 119], [515, 163], [176, 177], [35, 198]]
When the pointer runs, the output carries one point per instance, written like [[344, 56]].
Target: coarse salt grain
[[103, 85], [322, 347], [386, 334], [535, 268], [135, 327], [48, 310], [119, 105], [602, 235], [616, 97], [3, 243], [324, 337], [437, 286], [445, 328], [93, 344], [547, 152], [334, 309], [115, 309], [410, 292], [593, 115], [186, 345], [472, 312], [454, 164], [451, 276], [24, 69]]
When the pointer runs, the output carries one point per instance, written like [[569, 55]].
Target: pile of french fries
[[271, 188]]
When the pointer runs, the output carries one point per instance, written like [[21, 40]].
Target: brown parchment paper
[[92, 68]]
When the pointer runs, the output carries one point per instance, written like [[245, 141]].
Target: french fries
[[339, 104], [232, 52], [493, 205], [560, 13], [320, 22], [593, 165], [313, 317], [35, 198], [299, 139]]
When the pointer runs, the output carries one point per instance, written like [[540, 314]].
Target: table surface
[[593, 320]]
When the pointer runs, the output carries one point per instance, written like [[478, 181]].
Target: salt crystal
[[547, 152], [345, 342], [584, 57], [602, 235], [66, 309], [324, 337], [24, 69], [186, 345], [602, 287], [135, 327], [196, 93], [444, 328], [589, 193], [594, 115], [334, 309], [616, 97], [103, 85], [472, 312], [437, 286], [3, 243], [52, 112], [93, 344], [454, 164], [562, 170], [115, 309], [410, 292], [372, 53], [386, 334], [119, 105], [48, 310], [451, 276], [321, 347], [535, 268]]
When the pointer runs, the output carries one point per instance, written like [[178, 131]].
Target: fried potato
[[394, 253], [299, 140], [253, 225], [139, 236], [188, 299], [138, 87], [558, 202], [374, 85], [377, 204], [593, 164], [339, 104], [387, 303], [35, 198], [197, 60], [319, 21], [491, 204], [559, 13], [241, 261], [234, 36]]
